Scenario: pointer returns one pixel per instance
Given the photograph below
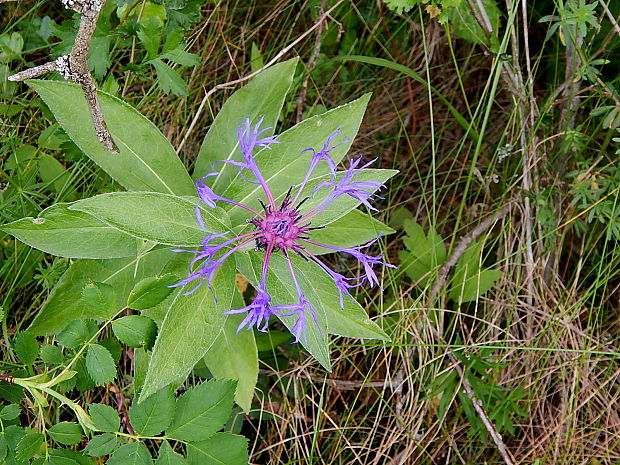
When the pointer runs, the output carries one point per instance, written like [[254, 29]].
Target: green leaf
[[262, 96], [169, 80], [153, 415], [151, 291], [65, 302], [76, 333], [191, 326], [161, 218], [11, 392], [66, 233], [77, 457], [354, 228], [469, 282], [283, 166], [146, 162], [149, 34], [135, 331], [181, 57], [220, 449], [425, 253], [56, 460], [256, 59], [26, 347], [99, 298], [234, 356], [9, 412], [282, 292], [114, 347], [202, 410], [4, 447], [167, 456], [100, 445], [104, 417], [100, 364], [28, 446], [65, 432], [134, 453], [51, 354], [466, 26]]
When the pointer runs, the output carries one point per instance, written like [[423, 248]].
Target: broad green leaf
[[202, 410], [67, 233], [77, 457], [169, 80], [65, 304], [355, 228], [167, 456], [134, 453], [51, 354], [161, 218], [469, 281], [191, 326], [146, 162], [104, 417], [151, 291], [153, 415], [11, 392], [28, 446], [4, 447], [99, 298], [26, 347], [77, 332], [220, 449], [135, 331], [66, 433], [234, 356], [56, 460], [466, 26], [262, 96], [9, 412], [283, 165], [100, 364], [282, 291], [102, 444], [425, 253]]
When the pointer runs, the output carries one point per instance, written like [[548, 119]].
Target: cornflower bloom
[[282, 228]]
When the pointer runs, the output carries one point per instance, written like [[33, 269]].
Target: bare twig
[[74, 66], [462, 246], [234, 82], [339, 384]]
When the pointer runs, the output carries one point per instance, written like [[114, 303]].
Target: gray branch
[[74, 66]]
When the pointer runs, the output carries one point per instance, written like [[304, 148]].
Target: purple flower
[[285, 228]]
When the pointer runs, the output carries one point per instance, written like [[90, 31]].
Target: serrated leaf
[[153, 415], [149, 162], [51, 354], [149, 34], [9, 412], [83, 381], [56, 460], [135, 331], [220, 449], [26, 347], [469, 282], [100, 445], [151, 291], [425, 253], [262, 96], [162, 218], [234, 356], [202, 410], [66, 433], [65, 303], [76, 333], [73, 234], [100, 364], [134, 453], [192, 324], [100, 298], [181, 57], [169, 80], [114, 347], [104, 417], [77, 457], [28, 446], [167, 456]]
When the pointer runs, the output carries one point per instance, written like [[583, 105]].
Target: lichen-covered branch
[[74, 66]]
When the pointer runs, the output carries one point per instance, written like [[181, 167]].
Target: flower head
[[283, 227]]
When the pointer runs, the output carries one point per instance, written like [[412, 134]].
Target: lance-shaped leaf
[[283, 165], [189, 329], [234, 356], [67, 233], [146, 162], [65, 303], [162, 218], [264, 97]]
